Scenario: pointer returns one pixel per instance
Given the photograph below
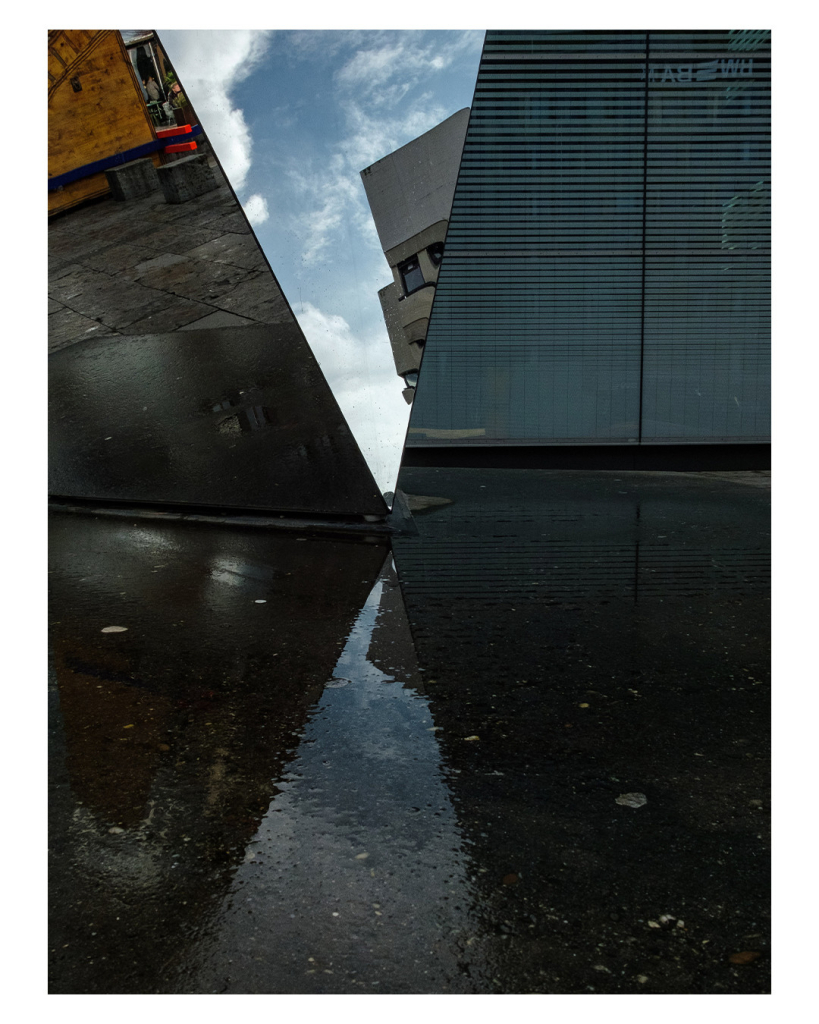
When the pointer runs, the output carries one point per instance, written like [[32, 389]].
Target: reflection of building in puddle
[[174, 731], [356, 879], [252, 417], [590, 633]]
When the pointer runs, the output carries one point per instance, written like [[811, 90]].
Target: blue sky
[[294, 116]]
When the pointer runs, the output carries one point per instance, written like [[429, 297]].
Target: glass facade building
[[606, 275]]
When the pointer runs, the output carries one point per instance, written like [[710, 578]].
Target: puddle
[[359, 865], [289, 774]]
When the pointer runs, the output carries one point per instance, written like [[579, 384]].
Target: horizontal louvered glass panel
[[706, 362], [606, 267]]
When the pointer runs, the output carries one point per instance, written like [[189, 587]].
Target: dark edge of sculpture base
[[358, 526], [681, 458]]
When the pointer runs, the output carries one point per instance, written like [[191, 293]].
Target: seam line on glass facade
[[606, 271]]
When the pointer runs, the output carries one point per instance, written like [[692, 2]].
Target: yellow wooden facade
[[105, 116]]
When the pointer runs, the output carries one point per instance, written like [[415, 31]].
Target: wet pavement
[[150, 267], [524, 750]]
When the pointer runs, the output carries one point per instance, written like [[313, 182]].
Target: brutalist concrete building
[[410, 194], [606, 277]]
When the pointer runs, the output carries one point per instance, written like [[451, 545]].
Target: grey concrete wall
[[412, 188], [406, 354]]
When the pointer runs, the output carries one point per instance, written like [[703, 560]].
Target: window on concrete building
[[436, 252], [411, 275]]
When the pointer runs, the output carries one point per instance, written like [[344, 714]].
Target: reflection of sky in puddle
[[358, 863]]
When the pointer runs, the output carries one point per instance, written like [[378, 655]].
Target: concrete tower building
[[410, 194]]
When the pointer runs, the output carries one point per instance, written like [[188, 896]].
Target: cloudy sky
[[294, 116]]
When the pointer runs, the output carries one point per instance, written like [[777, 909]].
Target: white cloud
[[361, 374], [328, 195], [255, 207], [374, 134], [401, 57], [335, 194], [350, 363], [378, 117], [210, 64]]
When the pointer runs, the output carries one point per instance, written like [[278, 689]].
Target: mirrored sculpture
[[178, 371]]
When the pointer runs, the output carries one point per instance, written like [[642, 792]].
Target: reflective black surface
[[355, 787], [178, 373], [171, 736], [237, 417], [603, 634]]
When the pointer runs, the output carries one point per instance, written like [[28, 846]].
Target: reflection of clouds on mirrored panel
[[294, 117], [153, 272]]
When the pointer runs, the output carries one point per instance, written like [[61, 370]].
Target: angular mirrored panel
[[162, 308], [294, 117], [238, 417]]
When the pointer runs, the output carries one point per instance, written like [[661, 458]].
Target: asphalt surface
[[524, 751]]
